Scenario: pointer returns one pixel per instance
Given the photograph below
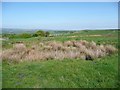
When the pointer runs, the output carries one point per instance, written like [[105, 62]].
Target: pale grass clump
[[55, 45], [59, 55], [58, 51], [93, 45], [82, 48], [65, 49], [79, 45], [110, 49], [7, 53], [89, 53], [48, 48], [68, 49], [73, 49], [50, 55], [19, 46], [41, 44], [102, 48], [73, 54], [82, 56], [84, 42], [34, 55], [12, 54], [68, 43]]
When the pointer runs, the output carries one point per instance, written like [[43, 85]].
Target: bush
[[11, 35], [40, 33], [34, 35], [47, 34]]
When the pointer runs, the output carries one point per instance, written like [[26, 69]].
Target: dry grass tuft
[[58, 51], [68, 43], [19, 46], [110, 49]]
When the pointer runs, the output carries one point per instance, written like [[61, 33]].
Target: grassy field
[[66, 73], [70, 73], [107, 37]]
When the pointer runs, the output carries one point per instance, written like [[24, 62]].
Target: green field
[[67, 73]]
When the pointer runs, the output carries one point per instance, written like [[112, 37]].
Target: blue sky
[[60, 15]]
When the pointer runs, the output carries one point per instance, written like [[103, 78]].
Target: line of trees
[[38, 33]]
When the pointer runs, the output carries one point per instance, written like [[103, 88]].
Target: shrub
[[47, 34], [40, 33]]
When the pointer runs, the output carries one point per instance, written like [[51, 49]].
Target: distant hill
[[16, 31]]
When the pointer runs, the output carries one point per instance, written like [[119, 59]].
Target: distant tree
[[11, 36], [47, 34], [5, 35], [40, 33], [86, 30], [35, 35]]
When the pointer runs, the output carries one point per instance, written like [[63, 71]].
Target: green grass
[[66, 73], [62, 74], [108, 37]]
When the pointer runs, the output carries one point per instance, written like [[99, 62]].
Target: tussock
[[68, 43], [58, 51], [110, 49], [19, 47]]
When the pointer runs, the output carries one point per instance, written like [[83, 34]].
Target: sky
[[60, 15]]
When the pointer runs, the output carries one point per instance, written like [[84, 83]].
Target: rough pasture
[[56, 50]]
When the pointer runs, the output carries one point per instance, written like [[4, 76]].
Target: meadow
[[73, 71]]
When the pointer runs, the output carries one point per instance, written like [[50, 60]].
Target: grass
[[56, 50], [67, 73], [105, 38], [62, 74]]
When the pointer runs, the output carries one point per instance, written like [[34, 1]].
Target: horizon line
[[59, 29]]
